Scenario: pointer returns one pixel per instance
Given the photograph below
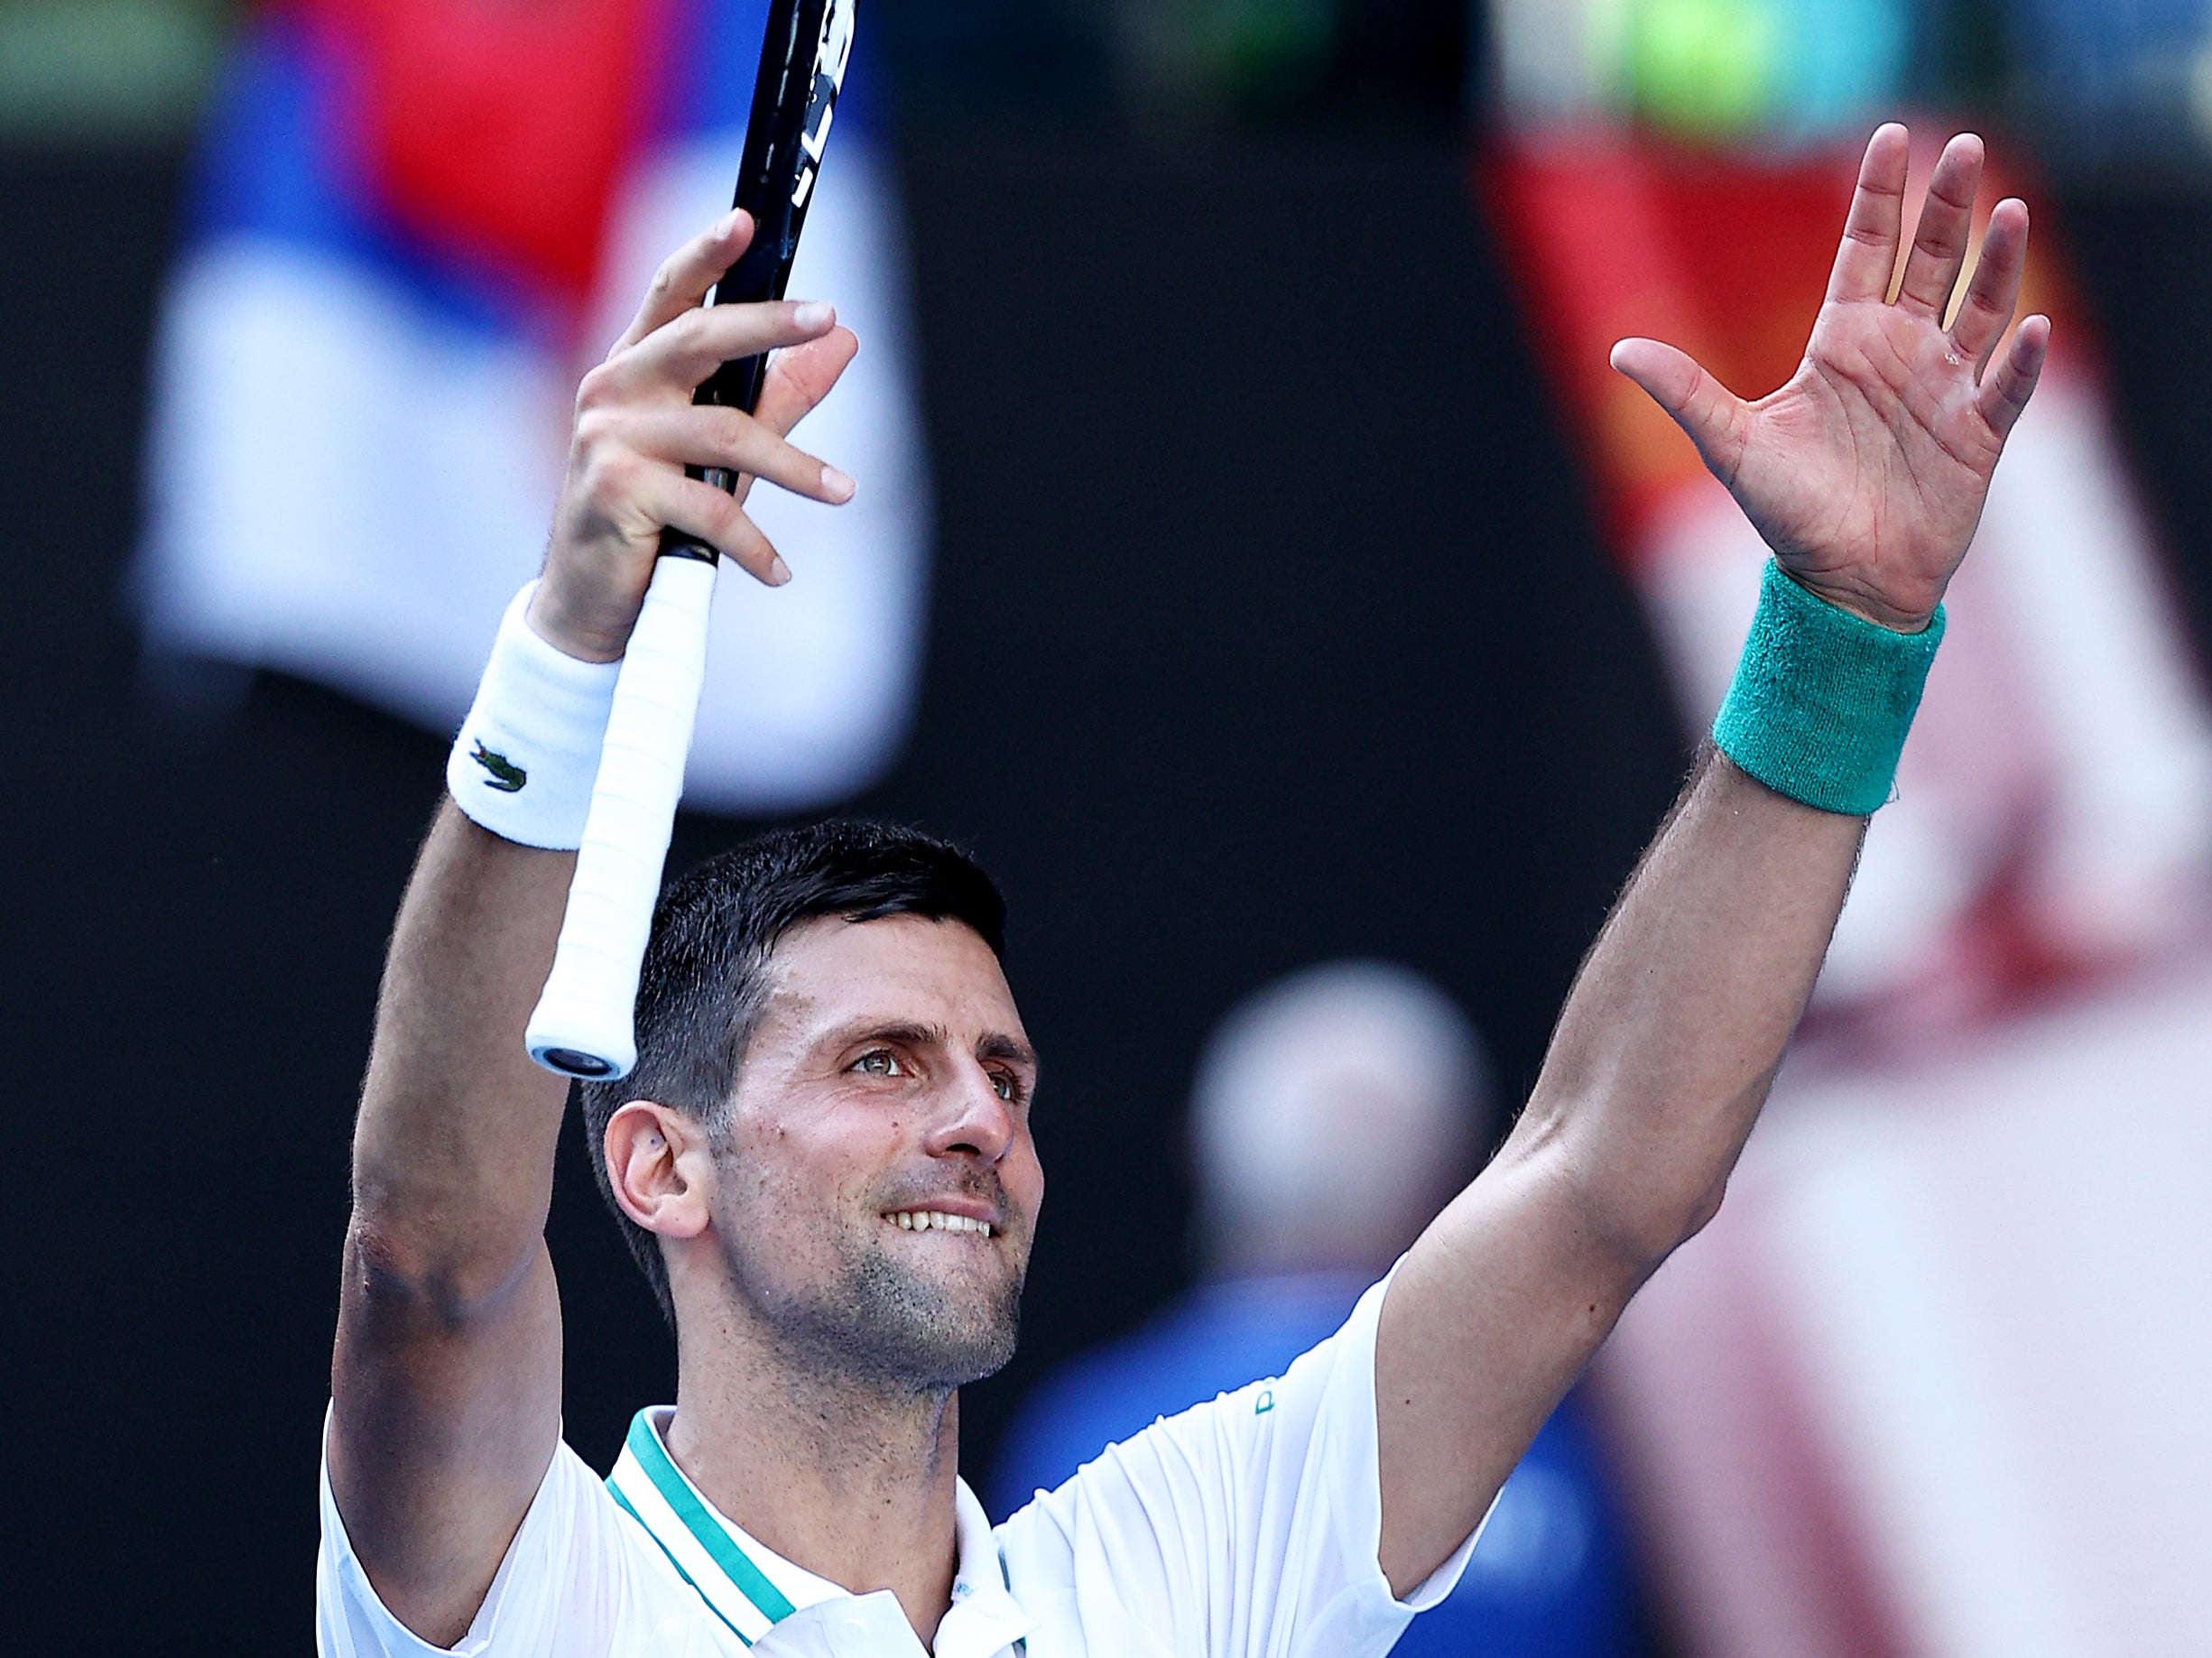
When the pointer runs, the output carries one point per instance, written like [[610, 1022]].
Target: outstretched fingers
[[2005, 390], [1868, 256], [687, 276], [672, 361], [1713, 415], [1995, 288], [1947, 225], [735, 442], [719, 520]]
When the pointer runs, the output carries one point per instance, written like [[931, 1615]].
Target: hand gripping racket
[[584, 1023]]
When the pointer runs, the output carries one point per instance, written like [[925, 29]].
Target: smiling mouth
[[937, 1220]]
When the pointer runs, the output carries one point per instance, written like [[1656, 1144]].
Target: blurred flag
[[1931, 1385], [410, 226]]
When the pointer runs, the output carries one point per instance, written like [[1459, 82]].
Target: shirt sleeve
[[556, 1594], [1248, 1527]]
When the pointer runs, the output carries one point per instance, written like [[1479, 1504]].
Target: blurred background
[[1258, 566]]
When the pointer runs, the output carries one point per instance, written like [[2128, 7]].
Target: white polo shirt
[[1243, 1527]]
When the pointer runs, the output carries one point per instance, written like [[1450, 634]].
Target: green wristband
[[1822, 700]]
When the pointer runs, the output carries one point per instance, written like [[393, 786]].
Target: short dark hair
[[705, 981]]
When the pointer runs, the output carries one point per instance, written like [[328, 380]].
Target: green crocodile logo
[[506, 777]]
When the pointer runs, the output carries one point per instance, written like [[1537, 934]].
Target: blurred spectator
[[1334, 1113], [411, 225]]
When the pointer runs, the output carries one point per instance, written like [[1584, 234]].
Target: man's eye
[[881, 1063], [1006, 1085]]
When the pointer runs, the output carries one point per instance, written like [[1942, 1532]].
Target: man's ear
[[659, 1168]]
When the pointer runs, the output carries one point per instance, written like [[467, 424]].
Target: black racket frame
[[794, 94]]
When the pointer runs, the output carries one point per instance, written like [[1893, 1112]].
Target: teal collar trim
[[678, 1565], [750, 1589], [709, 1553]]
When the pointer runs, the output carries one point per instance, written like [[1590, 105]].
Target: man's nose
[[974, 1119]]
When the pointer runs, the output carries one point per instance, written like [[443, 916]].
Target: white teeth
[[928, 1219]]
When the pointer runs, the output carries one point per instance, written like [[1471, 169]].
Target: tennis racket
[[584, 1024]]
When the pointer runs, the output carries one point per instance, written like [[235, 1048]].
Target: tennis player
[[824, 1158]]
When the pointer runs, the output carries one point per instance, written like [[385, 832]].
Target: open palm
[[1866, 473]]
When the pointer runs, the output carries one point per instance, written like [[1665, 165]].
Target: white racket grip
[[584, 1024]]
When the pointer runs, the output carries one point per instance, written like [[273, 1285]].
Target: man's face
[[877, 1188]]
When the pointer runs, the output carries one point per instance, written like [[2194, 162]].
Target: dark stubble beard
[[884, 1327]]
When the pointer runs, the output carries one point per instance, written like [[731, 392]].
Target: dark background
[[1268, 626]]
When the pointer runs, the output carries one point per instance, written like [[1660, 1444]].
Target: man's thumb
[[1701, 406]]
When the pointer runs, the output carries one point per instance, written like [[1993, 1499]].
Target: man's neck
[[855, 1485]]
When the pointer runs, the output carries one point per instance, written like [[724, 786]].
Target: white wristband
[[529, 751]]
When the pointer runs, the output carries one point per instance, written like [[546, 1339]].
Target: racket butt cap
[[564, 1048], [574, 1063]]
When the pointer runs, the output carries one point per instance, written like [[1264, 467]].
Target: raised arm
[[1866, 474], [446, 1379]]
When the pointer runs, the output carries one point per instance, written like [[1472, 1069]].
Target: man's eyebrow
[[998, 1046], [904, 1031]]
